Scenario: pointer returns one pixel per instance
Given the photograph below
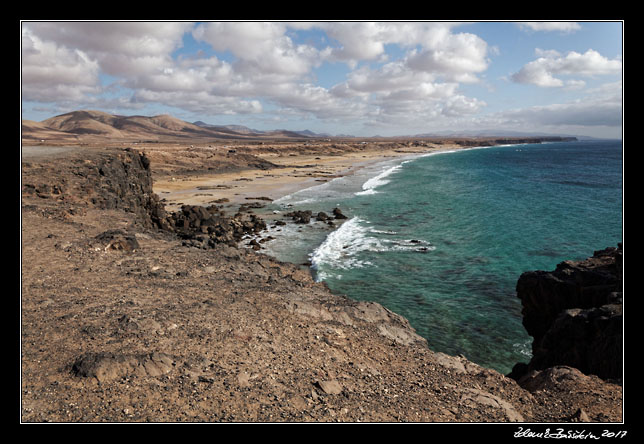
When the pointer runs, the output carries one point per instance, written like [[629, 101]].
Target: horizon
[[483, 133], [359, 78]]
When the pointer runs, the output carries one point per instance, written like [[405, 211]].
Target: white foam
[[381, 179], [340, 249], [373, 230], [340, 246]]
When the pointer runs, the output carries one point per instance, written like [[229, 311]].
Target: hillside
[[96, 126]]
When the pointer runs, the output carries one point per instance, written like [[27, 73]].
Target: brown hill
[[97, 126], [37, 131]]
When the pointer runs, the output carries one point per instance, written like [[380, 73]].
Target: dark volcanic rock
[[204, 227], [300, 217], [124, 182], [574, 314], [338, 213]]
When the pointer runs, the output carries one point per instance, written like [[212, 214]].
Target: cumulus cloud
[[259, 47], [457, 57], [433, 46], [120, 48], [547, 69], [424, 82], [51, 72]]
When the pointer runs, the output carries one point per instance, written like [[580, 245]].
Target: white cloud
[[261, 48], [457, 57], [564, 27], [51, 72], [200, 102], [120, 48], [542, 71]]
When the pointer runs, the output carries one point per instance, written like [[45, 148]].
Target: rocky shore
[[132, 313], [574, 314]]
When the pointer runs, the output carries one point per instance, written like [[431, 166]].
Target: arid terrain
[[123, 319]]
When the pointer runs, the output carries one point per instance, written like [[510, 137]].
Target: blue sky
[[360, 78]]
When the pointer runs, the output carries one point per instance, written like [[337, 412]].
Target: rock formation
[[574, 314]]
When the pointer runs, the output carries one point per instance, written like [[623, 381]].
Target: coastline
[[292, 174], [141, 328]]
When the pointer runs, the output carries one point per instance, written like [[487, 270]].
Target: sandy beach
[[292, 172]]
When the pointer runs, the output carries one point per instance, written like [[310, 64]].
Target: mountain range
[[88, 126], [91, 126]]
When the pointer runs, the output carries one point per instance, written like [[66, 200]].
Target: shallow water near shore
[[442, 238]]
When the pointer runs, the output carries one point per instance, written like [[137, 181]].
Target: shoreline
[[291, 175], [251, 191]]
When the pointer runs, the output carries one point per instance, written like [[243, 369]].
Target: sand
[[295, 173]]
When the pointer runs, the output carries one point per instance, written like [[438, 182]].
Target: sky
[[358, 78]]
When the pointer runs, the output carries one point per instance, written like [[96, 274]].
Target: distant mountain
[[245, 130], [98, 126], [309, 133], [239, 129], [491, 133]]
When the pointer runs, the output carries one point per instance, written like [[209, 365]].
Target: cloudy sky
[[359, 78]]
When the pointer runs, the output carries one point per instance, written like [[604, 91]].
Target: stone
[[105, 366], [331, 387], [300, 217], [338, 213], [482, 399], [117, 240], [579, 416]]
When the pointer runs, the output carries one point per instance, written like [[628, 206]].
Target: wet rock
[[300, 217], [338, 213], [205, 227]]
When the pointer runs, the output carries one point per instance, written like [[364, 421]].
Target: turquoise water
[[442, 239]]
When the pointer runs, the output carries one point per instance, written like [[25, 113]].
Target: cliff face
[[118, 180], [574, 314]]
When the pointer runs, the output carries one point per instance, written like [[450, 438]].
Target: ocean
[[442, 238]]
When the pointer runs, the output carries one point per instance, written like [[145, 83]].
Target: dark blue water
[[442, 239]]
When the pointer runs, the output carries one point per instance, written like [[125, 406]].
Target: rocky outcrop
[[574, 314], [205, 227], [123, 181]]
